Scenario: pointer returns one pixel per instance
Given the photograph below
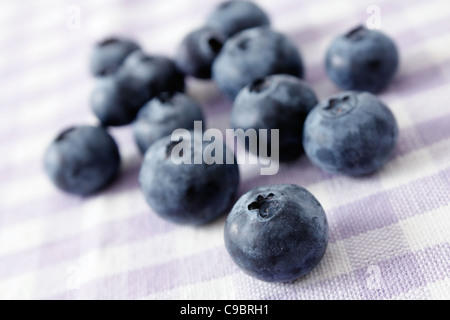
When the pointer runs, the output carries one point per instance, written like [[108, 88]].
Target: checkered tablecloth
[[389, 233]]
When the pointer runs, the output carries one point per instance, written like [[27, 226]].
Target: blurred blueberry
[[110, 105], [164, 114], [82, 160], [109, 54], [191, 194], [363, 60], [142, 77], [253, 54], [352, 133], [197, 52]]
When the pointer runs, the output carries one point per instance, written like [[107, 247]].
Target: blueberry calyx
[[165, 97], [337, 107], [356, 33], [146, 58], [374, 64], [259, 85], [265, 205], [215, 44]]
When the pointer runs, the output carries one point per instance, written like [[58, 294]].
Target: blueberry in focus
[[231, 17], [187, 193], [82, 160], [162, 115], [277, 233], [276, 102], [142, 77], [197, 52], [110, 105], [351, 133], [109, 54], [254, 54], [362, 60]]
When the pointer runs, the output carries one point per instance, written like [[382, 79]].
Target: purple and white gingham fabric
[[389, 233]]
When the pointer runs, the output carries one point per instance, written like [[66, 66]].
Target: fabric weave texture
[[389, 232]]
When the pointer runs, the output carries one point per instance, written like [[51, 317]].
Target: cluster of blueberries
[[276, 232]]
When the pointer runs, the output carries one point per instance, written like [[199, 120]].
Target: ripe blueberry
[[277, 233], [110, 105], [82, 160], [352, 133], [142, 77]]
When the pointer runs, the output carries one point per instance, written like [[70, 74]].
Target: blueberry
[[82, 160], [142, 77], [109, 54], [362, 60], [110, 105], [253, 54], [164, 114], [276, 102], [191, 194], [277, 233], [231, 17], [352, 133], [197, 52]]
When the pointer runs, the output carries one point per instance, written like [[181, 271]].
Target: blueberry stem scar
[[107, 41], [355, 33], [215, 45], [263, 205], [165, 97], [259, 85]]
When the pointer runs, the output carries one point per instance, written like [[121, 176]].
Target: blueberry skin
[[253, 54], [162, 115], [109, 54], [82, 160], [188, 194], [277, 233], [276, 102], [351, 133], [142, 77], [362, 60], [109, 104], [197, 52], [231, 17]]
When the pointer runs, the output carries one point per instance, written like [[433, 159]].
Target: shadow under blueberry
[[126, 180]]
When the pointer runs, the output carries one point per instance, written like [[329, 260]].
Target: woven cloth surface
[[389, 233]]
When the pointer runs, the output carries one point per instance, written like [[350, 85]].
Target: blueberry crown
[[339, 106], [264, 204]]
